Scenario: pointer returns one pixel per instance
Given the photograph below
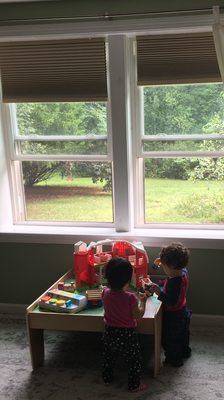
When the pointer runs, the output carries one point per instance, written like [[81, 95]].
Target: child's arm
[[154, 288], [171, 296], [139, 308]]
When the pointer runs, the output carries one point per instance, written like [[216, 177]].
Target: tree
[[35, 172], [211, 168], [61, 119], [181, 109], [172, 109]]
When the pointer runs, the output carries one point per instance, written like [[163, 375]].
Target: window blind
[[177, 58], [53, 71]]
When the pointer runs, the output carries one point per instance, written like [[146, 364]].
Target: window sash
[[179, 153], [15, 139]]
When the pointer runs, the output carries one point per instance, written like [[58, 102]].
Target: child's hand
[[146, 281], [142, 296], [153, 288], [157, 262]]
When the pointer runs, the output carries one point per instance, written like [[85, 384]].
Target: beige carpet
[[72, 368]]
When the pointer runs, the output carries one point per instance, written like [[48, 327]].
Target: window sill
[[192, 238]]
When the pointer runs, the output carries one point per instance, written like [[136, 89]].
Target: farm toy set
[[89, 262]]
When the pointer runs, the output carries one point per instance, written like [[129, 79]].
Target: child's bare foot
[[140, 388]]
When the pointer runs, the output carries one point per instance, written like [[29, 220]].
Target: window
[[99, 135], [182, 140], [183, 154], [56, 95], [66, 171]]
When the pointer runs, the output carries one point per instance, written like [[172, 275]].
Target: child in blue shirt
[[176, 316]]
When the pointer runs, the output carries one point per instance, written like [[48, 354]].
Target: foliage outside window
[[57, 187], [184, 163]]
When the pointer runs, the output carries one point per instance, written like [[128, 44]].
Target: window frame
[[17, 187], [141, 155], [139, 137]]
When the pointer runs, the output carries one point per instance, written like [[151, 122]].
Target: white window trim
[[198, 239]]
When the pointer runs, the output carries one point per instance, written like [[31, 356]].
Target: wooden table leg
[[36, 342], [157, 341]]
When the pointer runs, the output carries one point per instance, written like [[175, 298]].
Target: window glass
[[190, 189], [56, 188], [90, 147], [184, 190], [62, 118], [67, 191], [184, 109], [184, 145]]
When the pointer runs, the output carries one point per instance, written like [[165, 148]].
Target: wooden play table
[[89, 320]]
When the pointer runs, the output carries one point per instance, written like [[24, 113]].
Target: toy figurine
[[145, 289], [156, 264]]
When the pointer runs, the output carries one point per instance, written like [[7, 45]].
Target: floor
[[73, 364]]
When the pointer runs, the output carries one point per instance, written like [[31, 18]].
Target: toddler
[[121, 310], [176, 315]]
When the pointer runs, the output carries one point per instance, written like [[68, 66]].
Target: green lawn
[[67, 207], [56, 180], [181, 201], [169, 201]]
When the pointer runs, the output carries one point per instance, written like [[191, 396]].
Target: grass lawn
[[178, 201], [166, 200], [61, 200]]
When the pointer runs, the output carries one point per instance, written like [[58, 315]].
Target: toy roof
[[137, 245]]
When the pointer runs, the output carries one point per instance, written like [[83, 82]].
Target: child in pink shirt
[[121, 310]]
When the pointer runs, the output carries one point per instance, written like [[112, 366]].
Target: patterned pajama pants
[[122, 341]]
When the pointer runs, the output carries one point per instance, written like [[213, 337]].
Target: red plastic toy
[[89, 260]]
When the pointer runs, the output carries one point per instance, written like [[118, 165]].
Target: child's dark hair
[[175, 255], [118, 272]]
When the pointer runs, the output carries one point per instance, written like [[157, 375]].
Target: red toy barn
[[89, 260]]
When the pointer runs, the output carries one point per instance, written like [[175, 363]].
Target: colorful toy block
[[60, 301], [94, 298]]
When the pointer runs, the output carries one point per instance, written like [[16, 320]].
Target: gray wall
[[70, 8], [27, 270]]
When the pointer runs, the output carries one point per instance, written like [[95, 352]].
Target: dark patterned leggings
[[122, 341]]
